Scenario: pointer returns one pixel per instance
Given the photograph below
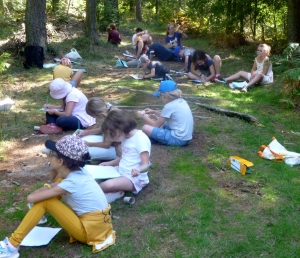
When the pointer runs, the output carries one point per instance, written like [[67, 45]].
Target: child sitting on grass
[[175, 124], [136, 149], [113, 35], [87, 215], [64, 71], [105, 150], [157, 69], [261, 71]]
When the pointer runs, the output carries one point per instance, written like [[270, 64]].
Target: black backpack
[[34, 56]]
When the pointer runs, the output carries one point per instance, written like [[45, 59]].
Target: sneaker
[[231, 86], [111, 197], [50, 129], [7, 250], [244, 89], [43, 219], [239, 85], [219, 79]]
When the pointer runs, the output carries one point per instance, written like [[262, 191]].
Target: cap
[[177, 50], [71, 146], [166, 86], [143, 59], [59, 88]]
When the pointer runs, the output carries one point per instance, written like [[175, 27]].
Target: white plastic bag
[[73, 54], [6, 104]]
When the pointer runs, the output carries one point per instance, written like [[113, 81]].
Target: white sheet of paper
[[40, 236], [136, 77], [102, 172], [93, 138], [128, 55]]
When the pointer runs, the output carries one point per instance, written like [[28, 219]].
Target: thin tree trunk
[[138, 10], [293, 21], [91, 23]]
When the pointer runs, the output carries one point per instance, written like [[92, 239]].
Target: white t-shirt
[[179, 119], [80, 100], [85, 193], [133, 38], [131, 150]]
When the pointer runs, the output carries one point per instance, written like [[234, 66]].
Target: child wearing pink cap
[[87, 215], [64, 71]]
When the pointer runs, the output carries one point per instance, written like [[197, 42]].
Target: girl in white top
[[71, 114], [261, 71], [136, 149]]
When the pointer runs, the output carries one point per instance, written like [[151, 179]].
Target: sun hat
[[143, 59], [59, 88], [71, 146], [166, 86], [177, 50]]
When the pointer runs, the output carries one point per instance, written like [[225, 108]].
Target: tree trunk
[[293, 21], [131, 6], [91, 23], [138, 10], [35, 22]]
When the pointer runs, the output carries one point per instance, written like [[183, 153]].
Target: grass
[[195, 205]]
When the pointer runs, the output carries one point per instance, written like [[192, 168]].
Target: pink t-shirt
[[80, 100]]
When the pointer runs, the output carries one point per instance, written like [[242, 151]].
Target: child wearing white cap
[[71, 115], [87, 218], [174, 124]]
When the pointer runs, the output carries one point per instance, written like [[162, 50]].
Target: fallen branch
[[249, 118]]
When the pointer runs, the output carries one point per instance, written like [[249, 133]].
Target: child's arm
[[212, 73], [90, 132], [194, 72], [186, 63], [184, 36], [145, 162], [149, 75], [67, 112], [45, 193], [114, 162], [104, 145], [155, 123], [140, 49], [253, 70]]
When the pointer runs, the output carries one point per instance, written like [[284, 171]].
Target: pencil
[[145, 168]]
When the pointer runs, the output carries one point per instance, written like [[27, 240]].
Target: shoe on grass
[[239, 85], [219, 79], [112, 196], [7, 250], [50, 129]]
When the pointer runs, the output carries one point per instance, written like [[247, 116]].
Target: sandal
[[50, 129]]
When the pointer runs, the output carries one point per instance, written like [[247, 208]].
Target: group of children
[[198, 65], [87, 218]]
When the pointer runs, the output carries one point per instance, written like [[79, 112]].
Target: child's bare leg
[[217, 64], [77, 77], [193, 76], [147, 129], [257, 78], [240, 74], [117, 184]]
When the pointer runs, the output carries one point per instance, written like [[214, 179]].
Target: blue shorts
[[163, 136], [73, 83]]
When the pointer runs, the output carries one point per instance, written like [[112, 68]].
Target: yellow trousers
[[64, 215]]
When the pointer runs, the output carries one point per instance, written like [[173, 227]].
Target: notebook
[[136, 77], [102, 172]]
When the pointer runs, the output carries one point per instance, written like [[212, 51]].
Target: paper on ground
[[128, 55], [46, 109], [102, 172], [196, 81], [40, 236], [136, 77]]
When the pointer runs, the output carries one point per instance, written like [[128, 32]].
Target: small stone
[[3, 182], [25, 139], [15, 183]]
